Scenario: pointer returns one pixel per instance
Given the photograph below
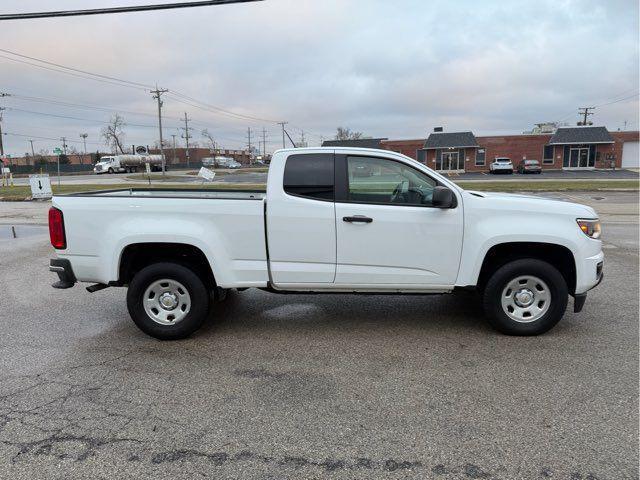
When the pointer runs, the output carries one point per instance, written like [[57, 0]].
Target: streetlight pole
[[174, 147], [84, 143]]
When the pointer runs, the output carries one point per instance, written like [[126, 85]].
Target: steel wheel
[[166, 301], [526, 298]]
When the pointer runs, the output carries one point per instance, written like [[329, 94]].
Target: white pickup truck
[[332, 220]]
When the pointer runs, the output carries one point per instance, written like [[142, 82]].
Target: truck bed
[[225, 225]]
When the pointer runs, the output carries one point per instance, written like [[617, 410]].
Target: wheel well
[[557, 255], [139, 255]]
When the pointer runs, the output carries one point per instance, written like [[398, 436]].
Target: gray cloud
[[386, 68]]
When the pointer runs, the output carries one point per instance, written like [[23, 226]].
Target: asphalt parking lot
[[335, 386]]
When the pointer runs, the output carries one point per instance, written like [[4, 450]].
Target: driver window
[[383, 181]]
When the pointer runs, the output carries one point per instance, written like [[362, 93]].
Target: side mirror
[[443, 197]]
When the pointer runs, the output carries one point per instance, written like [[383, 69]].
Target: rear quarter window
[[310, 175]]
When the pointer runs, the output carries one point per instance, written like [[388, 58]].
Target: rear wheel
[[525, 297], [167, 301]]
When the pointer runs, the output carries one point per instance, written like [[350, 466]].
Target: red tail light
[[56, 229]]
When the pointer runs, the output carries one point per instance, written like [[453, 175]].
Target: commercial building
[[569, 148]]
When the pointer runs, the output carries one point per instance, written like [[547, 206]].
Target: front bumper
[[580, 298], [66, 277]]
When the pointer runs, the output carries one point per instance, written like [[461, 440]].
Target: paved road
[[347, 387]]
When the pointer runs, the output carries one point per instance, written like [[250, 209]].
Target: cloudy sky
[[387, 68]]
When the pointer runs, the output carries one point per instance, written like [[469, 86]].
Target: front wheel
[[167, 301], [525, 297]]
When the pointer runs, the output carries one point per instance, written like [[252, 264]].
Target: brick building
[[567, 148]]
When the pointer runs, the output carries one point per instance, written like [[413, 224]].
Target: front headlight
[[590, 227]]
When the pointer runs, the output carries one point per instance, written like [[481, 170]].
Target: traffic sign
[[40, 186], [57, 151], [206, 174]]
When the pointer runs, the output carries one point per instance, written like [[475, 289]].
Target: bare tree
[[113, 134], [211, 142], [343, 133]]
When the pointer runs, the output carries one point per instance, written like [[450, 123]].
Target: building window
[[480, 155], [547, 155], [309, 175]]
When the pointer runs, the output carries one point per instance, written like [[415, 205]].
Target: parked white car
[[221, 162], [322, 226], [501, 165]]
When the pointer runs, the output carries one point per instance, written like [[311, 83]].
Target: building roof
[[450, 140], [359, 142], [579, 135]]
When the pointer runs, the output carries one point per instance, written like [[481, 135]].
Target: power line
[[84, 72], [614, 99], [86, 75], [619, 100], [103, 11], [180, 97], [67, 117], [45, 138], [238, 138]]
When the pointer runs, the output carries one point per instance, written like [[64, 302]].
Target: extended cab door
[[301, 227], [389, 234]]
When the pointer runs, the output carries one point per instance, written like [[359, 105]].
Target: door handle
[[357, 219]]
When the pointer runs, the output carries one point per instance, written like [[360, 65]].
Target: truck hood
[[529, 203]]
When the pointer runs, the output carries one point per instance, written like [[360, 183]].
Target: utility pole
[[174, 147], [584, 111], [84, 136], [264, 143], [302, 144], [283, 124], [157, 94], [64, 150], [33, 153], [249, 142], [1, 145], [1, 109], [186, 135]]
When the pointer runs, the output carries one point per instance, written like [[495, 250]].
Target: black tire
[[110, 170], [199, 298], [492, 297]]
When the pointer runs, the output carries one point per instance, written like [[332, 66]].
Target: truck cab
[[107, 165]]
